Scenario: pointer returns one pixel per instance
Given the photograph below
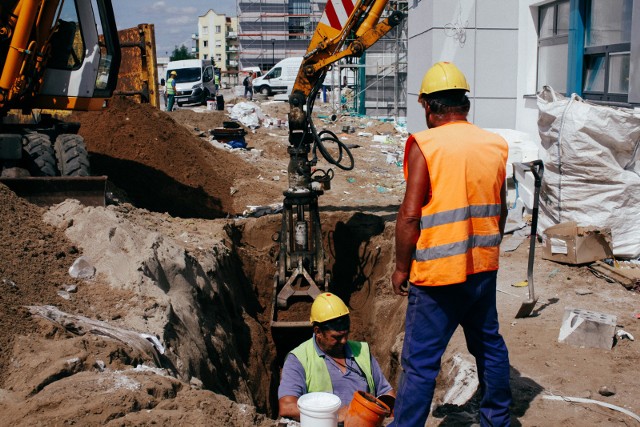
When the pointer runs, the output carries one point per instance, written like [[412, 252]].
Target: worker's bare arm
[[288, 407], [408, 221]]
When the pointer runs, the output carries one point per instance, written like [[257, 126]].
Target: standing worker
[[248, 86], [216, 81], [448, 235], [171, 90], [328, 362]]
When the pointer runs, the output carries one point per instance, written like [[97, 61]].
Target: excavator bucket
[[290, 325], [46, 191]]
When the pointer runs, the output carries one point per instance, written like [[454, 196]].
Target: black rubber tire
[[265, 91], [40, 155], [72, 155], [180, 104]]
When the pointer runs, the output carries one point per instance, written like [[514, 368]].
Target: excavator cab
[[55, 56]]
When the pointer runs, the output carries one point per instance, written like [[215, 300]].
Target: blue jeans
[[433, 314]]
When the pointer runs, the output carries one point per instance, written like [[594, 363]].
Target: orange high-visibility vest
[[459, 228]]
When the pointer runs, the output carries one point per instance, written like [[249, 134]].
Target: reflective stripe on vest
[[459, 228], [171, 86], [315, 368]]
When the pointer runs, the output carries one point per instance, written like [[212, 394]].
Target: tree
[[181, 53]]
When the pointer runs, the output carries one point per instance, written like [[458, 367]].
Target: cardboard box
[[571, 244]]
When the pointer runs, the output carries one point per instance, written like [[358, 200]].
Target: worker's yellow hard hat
[[173, 73], [327, 306], [443, 76]]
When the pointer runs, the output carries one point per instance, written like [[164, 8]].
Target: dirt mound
[[159, 164], [34, 259]]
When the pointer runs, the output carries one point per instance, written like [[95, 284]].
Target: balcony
[[194, 36], [194, 50], [231, 35], [232, 63], [232, 49]]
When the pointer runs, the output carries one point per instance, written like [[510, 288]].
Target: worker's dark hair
[[342, 323], [448, 101]]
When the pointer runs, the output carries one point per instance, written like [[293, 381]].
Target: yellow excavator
[[300, 272], [54, 55]]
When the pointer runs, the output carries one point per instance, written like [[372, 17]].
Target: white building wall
[[527, 109], [481, 38]]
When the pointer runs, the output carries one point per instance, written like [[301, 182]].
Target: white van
[[194, 80], [252, 70], [280, 78]]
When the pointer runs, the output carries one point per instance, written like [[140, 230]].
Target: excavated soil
[[200, 289], [160, 165]]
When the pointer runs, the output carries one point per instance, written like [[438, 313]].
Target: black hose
[[319, 138]]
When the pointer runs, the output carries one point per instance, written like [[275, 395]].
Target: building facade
[[217, 40], [271, 30], [509, 50]]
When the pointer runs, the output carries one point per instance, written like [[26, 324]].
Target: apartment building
[[217, 39]]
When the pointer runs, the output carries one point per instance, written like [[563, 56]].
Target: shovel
[[537, 169]]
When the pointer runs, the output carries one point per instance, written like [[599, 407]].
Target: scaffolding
[[271, 30], [385, 83]]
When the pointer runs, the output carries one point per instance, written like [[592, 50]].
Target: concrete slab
[[584, 328]]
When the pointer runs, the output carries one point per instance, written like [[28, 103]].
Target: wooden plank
[[627, 277]]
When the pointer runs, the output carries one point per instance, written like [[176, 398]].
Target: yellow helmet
[[327, 306], [443, 76], [173, 73]]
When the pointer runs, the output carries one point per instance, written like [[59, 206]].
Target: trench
[[359, 253]]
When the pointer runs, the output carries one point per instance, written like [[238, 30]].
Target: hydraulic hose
[[326, 135]]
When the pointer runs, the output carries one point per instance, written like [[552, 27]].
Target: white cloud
[[159, 5], [182, 20]]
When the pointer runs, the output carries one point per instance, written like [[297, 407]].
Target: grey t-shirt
[[293, 378]]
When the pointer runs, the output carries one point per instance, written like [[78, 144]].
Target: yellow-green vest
[[170, 86], [315, 368]]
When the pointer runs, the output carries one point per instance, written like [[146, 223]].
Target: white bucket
[[211, 105], [319, 409]]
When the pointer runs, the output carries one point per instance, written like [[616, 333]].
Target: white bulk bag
[[592, 173]]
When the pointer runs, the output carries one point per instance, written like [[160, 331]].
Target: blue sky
[[174, 21]]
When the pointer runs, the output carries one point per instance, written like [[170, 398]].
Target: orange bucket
[[366, 411]]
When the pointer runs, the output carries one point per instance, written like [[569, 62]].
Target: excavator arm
[[300, 268]]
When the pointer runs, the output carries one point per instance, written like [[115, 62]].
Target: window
[[205, 30], [218, 43], [607, 46], [207, 76], [205, 43], [67, 45], [218, 29], [300, 21], [553, 45], [274, 73], [205, 56]]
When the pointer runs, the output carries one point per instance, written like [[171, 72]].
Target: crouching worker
[[328, 362]]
